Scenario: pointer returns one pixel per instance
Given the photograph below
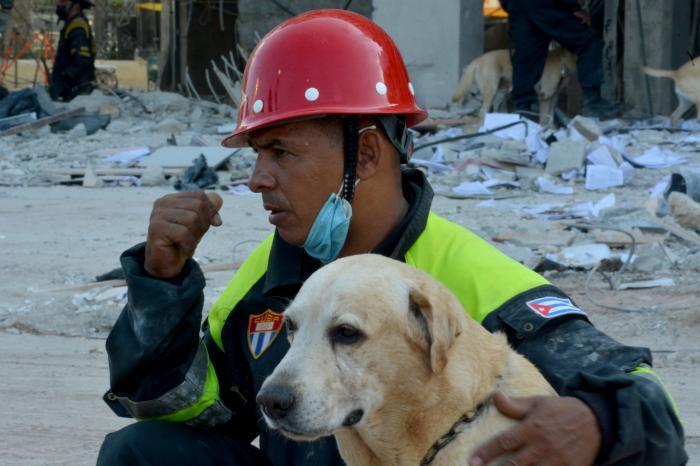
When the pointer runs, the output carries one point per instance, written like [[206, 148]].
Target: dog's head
[[362, 330]]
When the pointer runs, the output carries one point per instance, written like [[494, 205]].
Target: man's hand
[[178, 222], [552, 431], [583, 16]]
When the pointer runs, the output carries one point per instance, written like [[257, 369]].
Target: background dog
[[385, 358], [687, 85], [493, 70]]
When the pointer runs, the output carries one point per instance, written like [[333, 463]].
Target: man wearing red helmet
[[326, 102]]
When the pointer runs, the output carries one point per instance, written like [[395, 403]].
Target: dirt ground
[[53, 367]]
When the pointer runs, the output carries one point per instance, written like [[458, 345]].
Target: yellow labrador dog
[[686, 80], [386, 359], [494, 69]]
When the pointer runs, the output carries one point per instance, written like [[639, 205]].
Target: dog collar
[[454, 431]]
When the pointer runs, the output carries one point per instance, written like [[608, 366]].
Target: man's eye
[[279, 153], [346, 334]]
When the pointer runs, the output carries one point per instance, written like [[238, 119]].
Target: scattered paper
[[627, 171], [126, 155], [583, 255], [602, 156], [590, 209], [472, 188], [614, 142], [240, 190], [603, 177], [546, 186], [226, 129], [657, 158], [494, 120], [660, 282]]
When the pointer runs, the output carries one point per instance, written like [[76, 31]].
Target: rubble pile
[[614, 196], [138, 124]]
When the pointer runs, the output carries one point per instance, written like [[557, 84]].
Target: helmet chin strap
[[350, 139]]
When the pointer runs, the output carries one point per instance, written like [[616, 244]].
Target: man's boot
[[596, 106]]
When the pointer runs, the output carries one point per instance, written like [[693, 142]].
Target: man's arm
[[637, 419], [159, 368]]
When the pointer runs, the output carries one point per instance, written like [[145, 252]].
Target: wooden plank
[[43, 121], [184, 156], [107, 171]]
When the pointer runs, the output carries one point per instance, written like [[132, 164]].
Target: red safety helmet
[[323, 62]]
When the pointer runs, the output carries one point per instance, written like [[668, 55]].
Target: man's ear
[[439, 327], [368, 153]]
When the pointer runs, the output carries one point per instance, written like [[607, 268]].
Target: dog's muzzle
[[276, 401]]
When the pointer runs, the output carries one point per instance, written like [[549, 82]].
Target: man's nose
[[261, 180], [276, 400]]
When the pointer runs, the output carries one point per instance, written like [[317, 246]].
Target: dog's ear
[[440, 328]]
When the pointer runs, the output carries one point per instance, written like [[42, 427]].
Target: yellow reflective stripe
[[210, 395], [77, 23], [482, 277], [250, 272], [651, 373]]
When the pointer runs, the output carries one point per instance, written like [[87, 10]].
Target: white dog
[[386, 359]]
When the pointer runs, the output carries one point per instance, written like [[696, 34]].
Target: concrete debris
[[650, 258], [154, 175], [582, 255], [565, 156], [170, 125], [587, 127]]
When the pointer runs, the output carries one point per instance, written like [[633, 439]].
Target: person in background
[[74, 67]]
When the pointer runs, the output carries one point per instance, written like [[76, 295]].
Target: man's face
[[298, 166]]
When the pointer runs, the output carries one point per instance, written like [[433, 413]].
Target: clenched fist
[[178, 222]]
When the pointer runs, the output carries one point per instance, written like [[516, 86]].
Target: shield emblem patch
[[262, 331]]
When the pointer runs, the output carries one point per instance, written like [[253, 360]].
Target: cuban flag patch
[[550, 307], [262, 331]]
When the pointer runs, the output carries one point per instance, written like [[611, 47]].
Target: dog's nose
[[276, 401]]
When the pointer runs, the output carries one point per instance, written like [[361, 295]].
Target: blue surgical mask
[[330, 229]]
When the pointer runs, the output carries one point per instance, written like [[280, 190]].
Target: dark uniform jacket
[[161, 369], [74, 68]]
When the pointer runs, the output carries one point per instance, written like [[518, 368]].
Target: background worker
[[533, 25], [74, 67]]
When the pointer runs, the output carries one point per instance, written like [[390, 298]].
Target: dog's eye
[[345, 334]]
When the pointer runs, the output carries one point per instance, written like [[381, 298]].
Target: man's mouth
[[277, 214]]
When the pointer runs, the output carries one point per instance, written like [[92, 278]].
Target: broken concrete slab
[[650, 258], [154, 175], [514, 157], [565, 156], [586, 127], [170, 125]]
